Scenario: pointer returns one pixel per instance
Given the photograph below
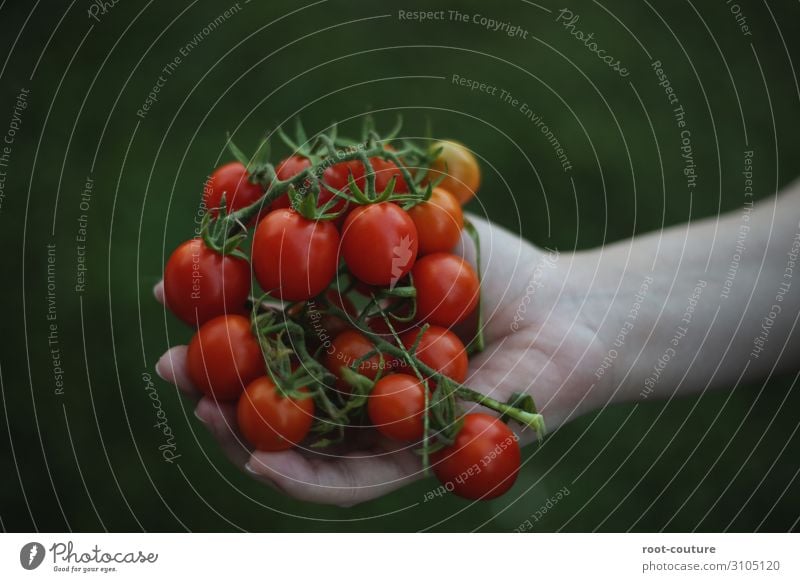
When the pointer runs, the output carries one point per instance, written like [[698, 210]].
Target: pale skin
[[693, 301]]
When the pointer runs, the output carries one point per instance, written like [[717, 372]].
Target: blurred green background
[[88, 459]]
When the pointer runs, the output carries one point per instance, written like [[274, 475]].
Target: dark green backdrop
[[88, 459]]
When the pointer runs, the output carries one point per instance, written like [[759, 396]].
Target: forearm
[[702, 304]]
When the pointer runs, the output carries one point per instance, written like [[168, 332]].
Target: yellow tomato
[[462, 176], [439, 222]]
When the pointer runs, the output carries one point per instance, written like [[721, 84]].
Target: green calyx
[[219, 237], [298, 374], [443, 419], [324, 150], [283, 332]]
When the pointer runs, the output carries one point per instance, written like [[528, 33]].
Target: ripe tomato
[[440, 349], [294, 258], [270, 421], [200, 283], [447, 289], [439, 222], [286, 169], [384, 170], [483, 463], [336, 176], [291, 166], [224, 357], [231, 180], [345, 350], [396, 405], [462, 176], [379, 243]]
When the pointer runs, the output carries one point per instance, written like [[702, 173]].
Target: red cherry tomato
[[224, 357], [439, 222], [484, 461], [379, 243], [384, 171], [440, 349], [291, 166], [286, 169], [348, 347], [231, 180], [294, 258], [336, 176], [462, 175], [200, 283], [270, 421], [396, 406], [447, 289]]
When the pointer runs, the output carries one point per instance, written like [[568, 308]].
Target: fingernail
[[158, 292], [200, 418], [262, 478], [157, 368]]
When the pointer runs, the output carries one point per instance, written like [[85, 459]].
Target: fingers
[[158, 292], [344, 481], [505, 368], [334, 480], [220, 420], [219, 417], [505, 262], [172, 368]]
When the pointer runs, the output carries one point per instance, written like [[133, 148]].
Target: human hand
[[535, 343]]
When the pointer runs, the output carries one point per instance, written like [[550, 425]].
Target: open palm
[[536, 342]]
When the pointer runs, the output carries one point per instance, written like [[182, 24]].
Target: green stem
[[276, 188], [532, 420], [426, 422]]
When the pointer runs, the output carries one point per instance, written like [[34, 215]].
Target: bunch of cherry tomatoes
[[352, 323]]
